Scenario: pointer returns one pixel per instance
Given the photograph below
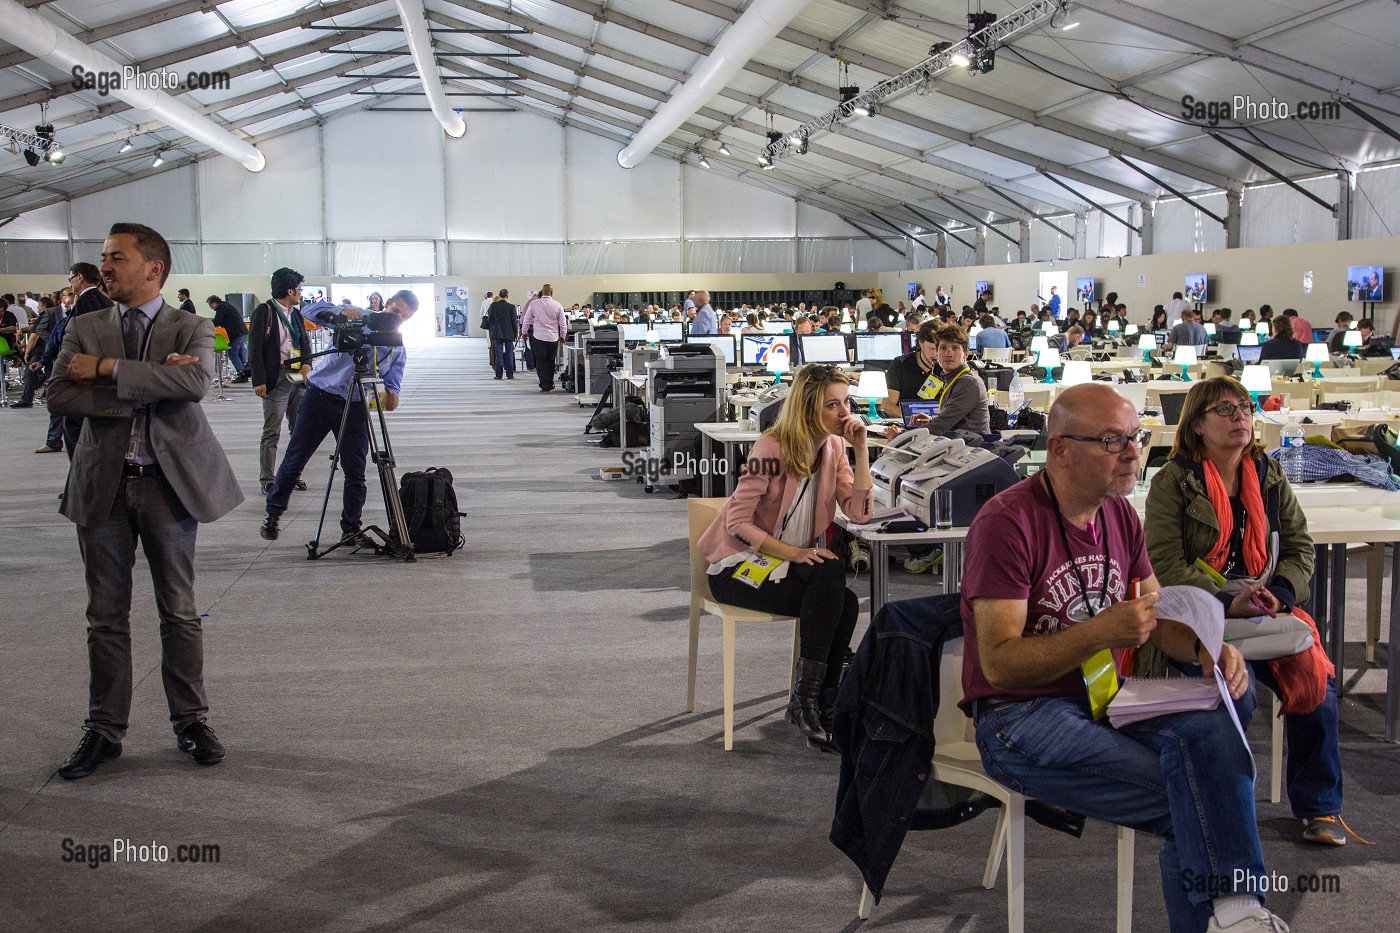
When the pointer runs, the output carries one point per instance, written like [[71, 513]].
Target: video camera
[[374, 329]]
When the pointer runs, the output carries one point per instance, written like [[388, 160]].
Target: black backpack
[[430, 511]]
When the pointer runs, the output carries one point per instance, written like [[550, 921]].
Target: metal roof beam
[[1060, 230], [1332, 208], [1185, 197], [1105, 211], [88, 36]]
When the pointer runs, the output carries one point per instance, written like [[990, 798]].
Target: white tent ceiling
[[1102, 80]]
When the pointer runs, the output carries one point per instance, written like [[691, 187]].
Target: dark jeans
[[320, 415], [505, 356], [238, 353], [55, 435], [546, 353], [32, 381], [826, 609], [148, 509], [1313, 769]]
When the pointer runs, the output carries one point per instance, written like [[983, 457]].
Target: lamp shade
[[1249, 339], [1317, 353], [1210, 329], [1113, 326], [776, 362], [1130, 330], [1076, 372], [974, 331], [1049, 358], [1352, 338], [1039, 343], [873, 385], [1256, 378], [1185, 356], [653, 336], [1262, 328], [1147, 342]]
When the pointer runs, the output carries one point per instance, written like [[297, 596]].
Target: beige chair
[[1301, 395], [957, 761], [1001, 355], [702, 514]]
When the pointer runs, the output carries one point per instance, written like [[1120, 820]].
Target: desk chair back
[[701, 514], [997, 354]]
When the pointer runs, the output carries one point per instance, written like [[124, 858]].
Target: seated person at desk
[[1219, 500], [874, 324], [1049, 565], [936, 370], [1068, 340], [779, 512], [1189, 333], [991, 337], [1282, 345], [1341, 325], [751, 325]]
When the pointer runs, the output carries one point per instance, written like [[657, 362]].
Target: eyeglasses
[[1228, 410], [1113, 443]]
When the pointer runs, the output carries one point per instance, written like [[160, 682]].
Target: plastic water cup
[[943, 508]]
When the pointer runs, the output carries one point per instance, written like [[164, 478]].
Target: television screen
[[671, 330], [755, 349], [1196, 288], [723, 345], [310, 294], [1365, 283], [879, 347], [1084, 292], [824, 348], [913, 290], [982, 290], [632, 333]]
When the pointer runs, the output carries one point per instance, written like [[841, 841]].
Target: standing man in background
[[1174, 309], [705, 322], [278, 334], [504, 330], [546, 326], [150, 469], [185, 303], [227, 316], [1054, 303]]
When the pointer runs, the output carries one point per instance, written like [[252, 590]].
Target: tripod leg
[[313, 548]]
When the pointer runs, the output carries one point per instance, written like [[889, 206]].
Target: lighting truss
[[977, 43], [28, 140]]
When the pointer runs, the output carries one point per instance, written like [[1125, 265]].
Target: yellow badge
[[756, 569]]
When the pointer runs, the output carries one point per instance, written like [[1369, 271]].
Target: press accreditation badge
[[931, 387], [756, 569]]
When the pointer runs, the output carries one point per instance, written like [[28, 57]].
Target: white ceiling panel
[[673, 16], [160, 41]]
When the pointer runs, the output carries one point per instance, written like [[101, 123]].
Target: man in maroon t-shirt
[[1052, 564]]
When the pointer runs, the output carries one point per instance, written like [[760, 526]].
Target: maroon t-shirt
[[1015, 551]]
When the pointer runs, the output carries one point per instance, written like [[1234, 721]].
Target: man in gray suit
[[147, 466]]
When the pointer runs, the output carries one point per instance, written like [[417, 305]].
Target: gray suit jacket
[[182, 442]]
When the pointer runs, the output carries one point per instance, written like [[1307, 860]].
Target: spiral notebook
[[1140, 698]]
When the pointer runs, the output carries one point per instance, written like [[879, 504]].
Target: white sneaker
[[1258, 920], [929, 561]]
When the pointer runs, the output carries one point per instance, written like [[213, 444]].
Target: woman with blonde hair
[[763, 551]]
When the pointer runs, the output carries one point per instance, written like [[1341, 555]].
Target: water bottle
[[1291, 453], [1015, 398]]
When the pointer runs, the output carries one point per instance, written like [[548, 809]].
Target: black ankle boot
[[827, 718], [804, 710]]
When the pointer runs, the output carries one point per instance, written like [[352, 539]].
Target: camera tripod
[[395, 542]]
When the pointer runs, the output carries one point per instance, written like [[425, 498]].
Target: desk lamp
[[777, 364], [1113, 326], [1210, 329], [1049, 358], [1262, 328], [1351, 340], [1076, 372], [1317, 355], [1130, 330], [1257, 381], [1249, 338], [1185, 358], [872, 386], [1039, 343], [653, 337], [1147, 343]]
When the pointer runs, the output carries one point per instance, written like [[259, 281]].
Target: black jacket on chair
[[264, 344]]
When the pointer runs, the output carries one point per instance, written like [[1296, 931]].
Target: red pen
[[1137, 587]]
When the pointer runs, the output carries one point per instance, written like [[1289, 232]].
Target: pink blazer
[[765, 492]]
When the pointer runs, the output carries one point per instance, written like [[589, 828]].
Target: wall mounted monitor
[[876, 347], [913, 290], [1085, 293], [1197, 288], [756, 349], [1365, 283], [669, 331], [982, 289], [823, 348], [723, 345], [310, 294]]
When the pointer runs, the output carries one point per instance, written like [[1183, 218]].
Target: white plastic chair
[[997, 355], [702, 513], [957, 761]]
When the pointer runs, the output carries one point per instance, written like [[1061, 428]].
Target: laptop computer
[[1282, 369], [917, 407], [1250, 354]]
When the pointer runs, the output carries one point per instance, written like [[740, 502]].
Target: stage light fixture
[[961, 60], [126, 147], [724, 150], [799, 143], [57, 155], [31, 157], [159, 160], [704, 162]]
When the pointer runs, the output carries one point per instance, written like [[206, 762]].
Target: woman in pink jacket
[[763, 549]]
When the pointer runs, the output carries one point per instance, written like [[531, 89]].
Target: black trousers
[[546, 354], [826, 609]]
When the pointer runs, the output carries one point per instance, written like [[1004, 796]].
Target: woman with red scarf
[[1218, 502]]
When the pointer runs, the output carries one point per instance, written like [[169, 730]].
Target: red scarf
[[1302, 677]]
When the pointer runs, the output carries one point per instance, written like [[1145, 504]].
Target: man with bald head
[[704, 322], [1051, 568]]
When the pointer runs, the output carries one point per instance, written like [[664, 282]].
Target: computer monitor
[[876, 347], [755, 349], [632, 333], [1320, 334], [1250, 354], [823, 348], [1365, 283], [1282, 369], [724, 345], [669, 331]]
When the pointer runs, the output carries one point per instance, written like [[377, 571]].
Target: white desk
[[731, 435]]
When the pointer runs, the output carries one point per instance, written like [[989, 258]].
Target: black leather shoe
[[804, 709], [91, 752], [300, 485], [269, 529], [199, 742]]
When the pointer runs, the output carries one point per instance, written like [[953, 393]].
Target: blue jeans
[[55, 435], [320, 415], [1313, 769], [238, 353], [505, 356], [1186, 777]]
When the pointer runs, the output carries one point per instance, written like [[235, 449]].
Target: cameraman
[[329, 387]]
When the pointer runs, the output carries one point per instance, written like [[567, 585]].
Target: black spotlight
[[851, 90], [31, 157]]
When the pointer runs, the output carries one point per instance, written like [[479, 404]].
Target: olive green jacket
[[1181, 526]]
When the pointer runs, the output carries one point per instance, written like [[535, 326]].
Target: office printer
[[908, 451], [685, 386], [634, 361], [974, 475], [765, 411]]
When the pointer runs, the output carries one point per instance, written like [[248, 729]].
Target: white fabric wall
[[505, 258], [372, 192], [1046, 243], [1180, 228], [813, 221], [720, 206], [283, 200], [505, 179], [165, 202], [1376, 203], [609, 202], [1276, 214], [47, 223]]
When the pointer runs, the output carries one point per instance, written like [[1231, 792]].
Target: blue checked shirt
[[1321, 463]]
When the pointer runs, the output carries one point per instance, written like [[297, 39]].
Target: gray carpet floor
[[497, 740]]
